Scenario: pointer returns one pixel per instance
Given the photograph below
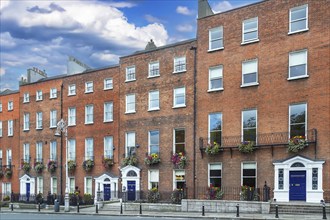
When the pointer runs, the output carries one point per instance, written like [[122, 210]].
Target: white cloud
[[183, 10], [106, 56], [222, 6], [6, 40], [184, 28], [3, 4], [2, 71], [152, 19]]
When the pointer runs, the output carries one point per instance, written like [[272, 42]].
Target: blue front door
[[107, 191], [131, 185], [27, 191], [297, 185]]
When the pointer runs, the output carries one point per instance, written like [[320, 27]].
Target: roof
[[161, 47], [8, 92]]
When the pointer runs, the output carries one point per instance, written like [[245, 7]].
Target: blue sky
[[42, 33]]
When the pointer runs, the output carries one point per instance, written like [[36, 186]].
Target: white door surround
[[106, 179], [23, 181], [130, 173]]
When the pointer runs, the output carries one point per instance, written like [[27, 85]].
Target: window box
[[88, 165], [130, 160], [152, 159], [107, 162], [51, 166], [39, 167], [213, 149], [179, 160], [296, 144], [246, 147], [71, 165]]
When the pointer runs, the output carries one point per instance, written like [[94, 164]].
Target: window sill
[[183, 71], [26, 129], [298, 77], [215, 90], [10, 135], [108, 121], [250, 42], [132, 112], [26, 102], [132, 80], [89, 123], [249, 85], [52, 127], [150, 77], [73, 125], [38, 128], [52, 97], [216, 49], [89, 92], [71, 94], [179, 106], [154, 109], [38, 100], [105, 89], [10, 110], [300, 31]]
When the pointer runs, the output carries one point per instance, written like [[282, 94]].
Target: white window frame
[[128, 111], [6, 189], [88, 189], [9, 157], [291, 22], [108, 83], [89, 87], [152, 178], [151, 93], [53, 119], [1, 129], [126, 142], [89, 114], [89, 149], [10, 128], [26, 97], [256, 168], [39, 95], [130, 73], [244, 72], [26, 118], [72, 149], [53, 186], [220, 38], [39, 121], [10, 105], [208, 174], [72, 116], [217, 77], [72, 184], [40, 185], [242, 124], [26, 152], [108, 112], [305, 61], [306, 122], [1, 158], [108, 147], [53, 93], [154, 70], [0, 106], [175, 96], [179, 143], [72, 89], [244, 31], [149, 142], [182, 66], [39, 151], [209, 125], [175, 181], [53, 150]]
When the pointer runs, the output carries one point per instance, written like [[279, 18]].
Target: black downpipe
[[194, 48], [61, 167]]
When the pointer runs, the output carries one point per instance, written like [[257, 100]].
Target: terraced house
[[239, 113]]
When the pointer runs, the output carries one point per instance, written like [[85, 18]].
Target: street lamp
[[62, 127]]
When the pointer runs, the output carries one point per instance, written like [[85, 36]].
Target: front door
[[131, 188], [27, 191], [297, 185], [106, 192]]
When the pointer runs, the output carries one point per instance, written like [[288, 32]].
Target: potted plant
[[248, 193], [130, 160], [213, 149], [153, 195], [177, 196], [39, 166], [179, 160], [107, 162], [297, 143], [8, 172], [71, 165], [26, 167], [246, 147], [152, 159], [88, 165], [215, 193], [51, 166]]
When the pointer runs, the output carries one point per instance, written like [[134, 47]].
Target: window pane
[[216, 83], [249, 78], [299, 70], [298, 14], [249, 119], [250, 25], [215, 122], [251, 182], [216, 182], [250, 134], [249, 172], [297, 113], [179, 136], [250, 35], [297, 130], [215, 173], [216, 44]]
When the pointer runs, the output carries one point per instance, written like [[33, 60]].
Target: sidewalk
[[187, 215]]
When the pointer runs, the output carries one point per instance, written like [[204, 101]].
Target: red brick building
[[263, 78]]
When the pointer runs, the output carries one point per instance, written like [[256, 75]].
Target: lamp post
[[62, 127]]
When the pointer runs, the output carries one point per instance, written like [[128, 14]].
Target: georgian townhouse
[[156, 119], [262, 81], [9, 141]]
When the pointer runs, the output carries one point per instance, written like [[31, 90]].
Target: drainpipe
[[61, 153], [194, 48]]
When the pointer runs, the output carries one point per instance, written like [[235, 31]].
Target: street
[[28, 216]]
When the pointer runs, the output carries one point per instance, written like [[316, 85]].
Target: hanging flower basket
[[246, 147], [51, 166], [213, 149], [71, 165], [8, 172], [107, 162], [152, 159], [130, 160], [297, 143], [26, 167], [88, 165], [179, 160], [38, 167]]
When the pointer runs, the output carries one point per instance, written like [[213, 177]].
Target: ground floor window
[[215, 175], [88, 185], [280, 178], [53, 185], [153, 179], [315, 178], [249, 174], [6, 188], [179, 179], [40, 184], [71, 184]]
